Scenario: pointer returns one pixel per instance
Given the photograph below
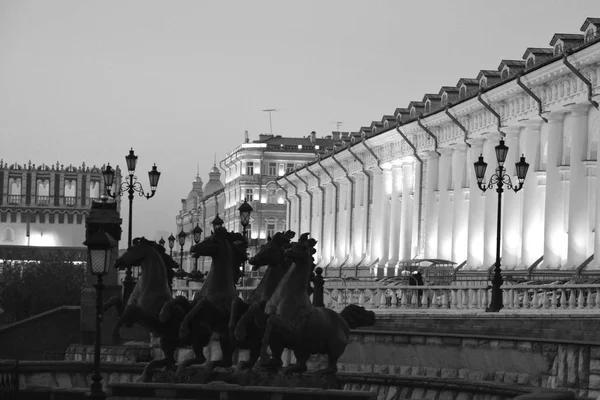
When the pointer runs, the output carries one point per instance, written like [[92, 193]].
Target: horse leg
[[168, 348], [300, 366], [273, 321], [201, 335], [238, 308], [227, 350], [127, 318], [112, 302]]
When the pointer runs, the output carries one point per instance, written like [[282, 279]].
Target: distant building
[[250, 170], [43, 209]]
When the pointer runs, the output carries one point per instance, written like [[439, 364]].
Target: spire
[[197, 169], [215, 163]]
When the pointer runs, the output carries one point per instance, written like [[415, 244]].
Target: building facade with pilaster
[[404, 187]]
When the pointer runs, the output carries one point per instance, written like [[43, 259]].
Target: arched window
[[427, 106], [530, 62], [482, 83], [589, 35], [444, 99], [463, 92], [8, 235], [413, 112], [558, 49], [504, 74]]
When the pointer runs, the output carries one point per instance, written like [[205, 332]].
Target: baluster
[[554, 300], [425, 299], [475, 304], [341, 298], [591, 299], [597, 299], [484, 298], [444, 299], [581, 299], [383, 299], [372, 298], [516, 298], [453, 299], [361, 297], [465, 298], [535, 299], [395, 303], [526, 299], [545, 299], [564, 302], [414, 298], [572, 298], [404, 301]]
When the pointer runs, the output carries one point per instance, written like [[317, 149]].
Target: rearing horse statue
[[248, 319], [149, 303], [212, 304], [306, 329]]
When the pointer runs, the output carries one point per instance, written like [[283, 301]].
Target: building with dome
[[405, 187], [250, 173]]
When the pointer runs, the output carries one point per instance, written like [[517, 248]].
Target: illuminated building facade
[[404, 187], [43, 209]]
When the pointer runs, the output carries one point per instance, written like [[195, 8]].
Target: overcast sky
[[180, 81]]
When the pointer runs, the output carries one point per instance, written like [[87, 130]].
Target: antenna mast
[[270, 110]]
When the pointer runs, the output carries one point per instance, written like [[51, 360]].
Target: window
[[61, 218], [249, 195], [289, 168], [504, 74], [42, 218], [9, 235], [558, 49], [13, 217], [70, 218], [413, 112], [463, 92], [51, 218], [3, 216], [249, 168], [249, 231], [271, 196], [530, 62], [272, 169], [482, 83], [79, 219], [270, 230], [444, 99], [427, 106], [589, 35]]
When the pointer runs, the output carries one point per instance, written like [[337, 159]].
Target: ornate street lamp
[[100, 246], [162, 242], [181, 237], [499, 179], [131, 186], [197, 232], [171, 240], [217, 222]]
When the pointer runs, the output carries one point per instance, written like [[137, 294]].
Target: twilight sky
[[180, 81]]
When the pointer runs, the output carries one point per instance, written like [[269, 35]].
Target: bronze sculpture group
[[278, 314]]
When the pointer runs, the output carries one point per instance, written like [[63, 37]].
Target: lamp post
[[217, 222], [131, 186], [197, 232], [99, 246], [245, 210], [499, 180], [171, 240], [162, 242], [181, 237]]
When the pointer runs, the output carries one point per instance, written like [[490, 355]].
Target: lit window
[[271, 196], [249, 168], [272, 169], [249, 195], [289, 168], [270, 230]]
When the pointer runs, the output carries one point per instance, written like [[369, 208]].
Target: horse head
[[272, 252], [134, 254], [302, 250], [212, 245]]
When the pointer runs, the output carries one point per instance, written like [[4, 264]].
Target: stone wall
[[49, 332]]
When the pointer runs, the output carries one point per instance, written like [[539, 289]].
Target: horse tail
[[357, 316]]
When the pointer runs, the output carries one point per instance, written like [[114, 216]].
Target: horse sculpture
[[149, 303], [248, 319], [306, 329], [212, 304]]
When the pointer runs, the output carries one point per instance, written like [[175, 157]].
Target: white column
[[376, 220], [385, 217], [579, 231], [511, 213], [445, 205], [396, 211], [406, 217], [460, 221], [328, 225], [431, 216], [554, 236], [475, 243], [359, 239], [342, 231], [532, 244]]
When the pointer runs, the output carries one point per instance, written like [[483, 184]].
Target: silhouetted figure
[[318, 284]]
